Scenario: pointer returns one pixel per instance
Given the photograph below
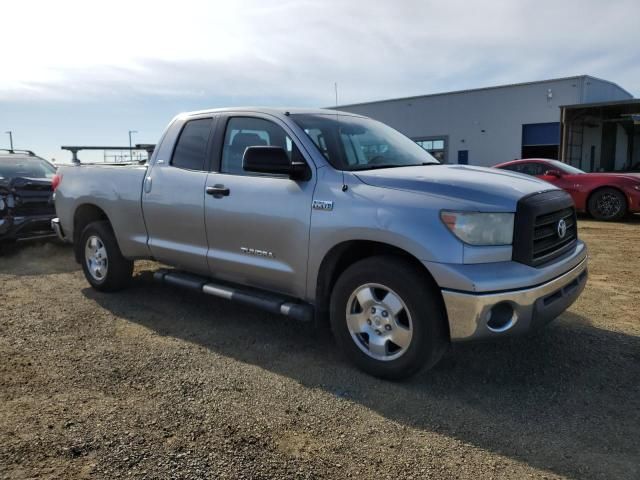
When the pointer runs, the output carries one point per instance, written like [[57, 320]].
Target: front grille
[[33, 202], [546, 240], [537, 238]]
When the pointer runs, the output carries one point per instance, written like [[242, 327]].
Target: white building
[[486, 126]]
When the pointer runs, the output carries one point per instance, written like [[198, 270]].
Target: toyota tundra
[[319, 214]]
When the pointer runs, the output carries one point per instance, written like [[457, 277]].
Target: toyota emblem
[[562, 228]]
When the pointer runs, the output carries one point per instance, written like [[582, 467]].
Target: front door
[[173, 199], [257, 224]]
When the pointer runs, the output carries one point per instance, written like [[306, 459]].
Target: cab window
[[191, 149]]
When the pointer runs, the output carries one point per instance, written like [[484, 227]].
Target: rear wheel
[[607, 204], [102, 262], [388, 318]]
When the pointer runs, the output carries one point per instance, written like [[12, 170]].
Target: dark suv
[[26, 204]]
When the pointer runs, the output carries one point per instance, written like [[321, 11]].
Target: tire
[[102, 262], [607, 204], [413, 317]]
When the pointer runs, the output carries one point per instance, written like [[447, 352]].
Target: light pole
[[130, 145], [10, 140]]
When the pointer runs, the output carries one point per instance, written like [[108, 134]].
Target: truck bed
[[114, 188]]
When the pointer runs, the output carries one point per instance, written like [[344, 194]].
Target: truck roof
[[277, 111]]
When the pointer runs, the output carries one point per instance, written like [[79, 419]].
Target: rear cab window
[[191, 148]]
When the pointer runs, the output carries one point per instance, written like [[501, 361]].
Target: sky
[[87, 72]]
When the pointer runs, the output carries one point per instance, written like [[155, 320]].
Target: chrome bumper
[[491, 315], [57, 228]]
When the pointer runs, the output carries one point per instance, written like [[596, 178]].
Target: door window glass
[[244, 132], [191, 149]]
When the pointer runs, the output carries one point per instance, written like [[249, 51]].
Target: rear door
[[173, 196], [258, 226]]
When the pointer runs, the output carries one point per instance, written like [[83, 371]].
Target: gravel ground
[[155, 382]]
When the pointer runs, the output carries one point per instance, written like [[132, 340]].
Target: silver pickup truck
[[318, 213]]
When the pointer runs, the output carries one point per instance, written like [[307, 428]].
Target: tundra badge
[[322, 205], [255, 251]]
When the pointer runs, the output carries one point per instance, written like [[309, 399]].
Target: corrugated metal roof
[[456, 92]]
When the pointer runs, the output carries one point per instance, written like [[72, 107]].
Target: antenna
[[345, 187]]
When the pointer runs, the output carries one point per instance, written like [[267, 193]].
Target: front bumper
[[476, 316], [23, 228]]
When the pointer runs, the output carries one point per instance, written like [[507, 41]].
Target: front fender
[[405, 220]]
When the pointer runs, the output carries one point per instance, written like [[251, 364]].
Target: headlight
[[476, 228]]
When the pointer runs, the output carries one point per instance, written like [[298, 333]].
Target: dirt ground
[[155, 382]]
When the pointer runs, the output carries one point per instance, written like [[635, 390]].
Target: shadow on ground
[[566, 400]]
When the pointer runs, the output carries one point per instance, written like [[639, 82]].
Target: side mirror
[[553, 173], [273, 160]]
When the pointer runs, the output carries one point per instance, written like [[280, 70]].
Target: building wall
[[485, 122]]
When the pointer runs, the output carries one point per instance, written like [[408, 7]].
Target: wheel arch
[[345, 254], [84, 215]]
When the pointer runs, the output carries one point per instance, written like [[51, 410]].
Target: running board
[[266, 301]]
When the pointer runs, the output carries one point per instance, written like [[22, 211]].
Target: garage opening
[[541, 140], [602, 137]]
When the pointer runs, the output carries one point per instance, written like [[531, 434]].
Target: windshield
[[30, 167], [565, 168], [356, 143]]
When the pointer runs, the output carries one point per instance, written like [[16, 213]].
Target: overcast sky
[[85, 72]]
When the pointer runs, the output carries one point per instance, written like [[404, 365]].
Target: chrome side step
[[269, 302]]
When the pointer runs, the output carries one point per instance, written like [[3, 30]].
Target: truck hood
[[475, 185]]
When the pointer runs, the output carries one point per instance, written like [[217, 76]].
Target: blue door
[[463, 157]]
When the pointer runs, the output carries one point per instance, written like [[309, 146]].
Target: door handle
[[218, 191]]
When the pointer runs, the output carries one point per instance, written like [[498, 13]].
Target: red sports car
[[606, 196]]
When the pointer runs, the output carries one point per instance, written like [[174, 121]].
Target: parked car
[[26, 203], [321, 213], [605, 196]]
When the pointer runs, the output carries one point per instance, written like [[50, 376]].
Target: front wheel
[[387, 318], [102, 262], [607, 204]]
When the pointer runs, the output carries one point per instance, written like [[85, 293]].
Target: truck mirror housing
[[274, 160]]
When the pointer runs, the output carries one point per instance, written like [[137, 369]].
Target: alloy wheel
[[95, 255], [379, 322]]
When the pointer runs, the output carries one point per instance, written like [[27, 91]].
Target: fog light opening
[[501, 317]]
